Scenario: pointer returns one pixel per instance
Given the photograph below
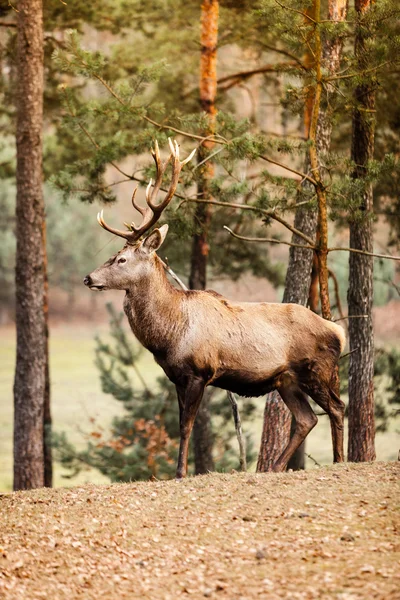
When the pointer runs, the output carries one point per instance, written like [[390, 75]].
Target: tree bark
[[202, 431], [361, 444], [275, 433], [29, 382]]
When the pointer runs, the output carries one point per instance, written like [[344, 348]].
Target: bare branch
[[173, 274], [299, 173], [299, 12], [351, 317], [239, 432], [270, 240], [313, 459], [268, 213], [349, 75], [388, 256], [270, 68]]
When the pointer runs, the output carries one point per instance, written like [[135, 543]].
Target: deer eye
[[121, 260]]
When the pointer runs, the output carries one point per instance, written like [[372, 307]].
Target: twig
[[332, 275], [349, 75], [271, 240], [239, 432], [271, 68], [173, 274], [313, 459], [348, 353], [388, 256], [299, 12], [207, 158], [351, 317]]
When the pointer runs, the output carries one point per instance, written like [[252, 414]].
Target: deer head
[[135, 259]]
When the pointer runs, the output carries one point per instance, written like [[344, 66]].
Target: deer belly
[[245, 383]]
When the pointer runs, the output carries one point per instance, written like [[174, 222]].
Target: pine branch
[[216, 140]]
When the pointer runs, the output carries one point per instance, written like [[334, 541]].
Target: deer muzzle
[[90, 283]]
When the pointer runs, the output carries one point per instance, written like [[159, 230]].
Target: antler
[[152, 213]]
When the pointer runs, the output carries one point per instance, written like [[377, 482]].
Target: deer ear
[[155, 239]]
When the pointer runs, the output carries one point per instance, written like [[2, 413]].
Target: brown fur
[[200, 338]]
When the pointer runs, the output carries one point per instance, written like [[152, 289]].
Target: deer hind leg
[[297, 403], [334, 407], [189, 398]]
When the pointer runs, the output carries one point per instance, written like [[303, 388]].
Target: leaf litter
[[330, 533]]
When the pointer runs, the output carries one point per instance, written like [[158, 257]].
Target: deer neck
[[155, 310]]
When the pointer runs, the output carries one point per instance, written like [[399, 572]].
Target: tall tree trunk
[[47, 421], [202, 432], [361, 446], [29, 382], [317, 124]]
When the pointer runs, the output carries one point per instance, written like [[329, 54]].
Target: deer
[[199, 338]]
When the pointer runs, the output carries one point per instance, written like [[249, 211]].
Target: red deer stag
[[199, 338]]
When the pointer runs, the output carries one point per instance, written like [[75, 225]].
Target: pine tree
[[360, 293], [30, 371]]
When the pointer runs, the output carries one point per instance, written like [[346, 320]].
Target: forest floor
[[328, 533]]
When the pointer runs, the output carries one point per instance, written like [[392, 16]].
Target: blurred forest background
[[120, 74]]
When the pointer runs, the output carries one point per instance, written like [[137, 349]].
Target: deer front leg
[[189, 398]]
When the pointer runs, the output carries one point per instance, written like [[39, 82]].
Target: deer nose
[[87, 280]]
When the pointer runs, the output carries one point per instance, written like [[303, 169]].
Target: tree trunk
[[361, 446], [275, 433], [202, 432], [47, 421], [29, 382], [298, 275]]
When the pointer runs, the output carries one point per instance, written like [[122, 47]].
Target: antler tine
[[160, 167], [189, 158], [139, 208], [127, 235]]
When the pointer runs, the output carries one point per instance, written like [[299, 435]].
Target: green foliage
[[143, 443], [70, 242]]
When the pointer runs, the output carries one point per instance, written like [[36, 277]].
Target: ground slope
[[327, 533]]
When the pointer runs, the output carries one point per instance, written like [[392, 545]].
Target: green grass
[[77, 398]]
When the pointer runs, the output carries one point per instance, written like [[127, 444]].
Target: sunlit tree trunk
[[202, 431], [361, 446], [29, 382]]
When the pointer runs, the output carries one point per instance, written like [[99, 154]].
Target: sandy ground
[[328, 533]]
